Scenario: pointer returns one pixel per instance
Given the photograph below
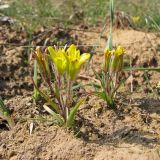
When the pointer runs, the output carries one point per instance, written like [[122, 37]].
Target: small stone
[[28, 104], [12, 154]]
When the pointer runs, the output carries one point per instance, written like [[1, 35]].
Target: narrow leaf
[[5, 114], [111, 11], [55, 115], [105, 97], [142, 69], [72, 113], [109, 41], [83, 85], [47, 98], [4, 111], [35, 92]]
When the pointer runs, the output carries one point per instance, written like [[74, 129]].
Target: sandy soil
[[132, 132]]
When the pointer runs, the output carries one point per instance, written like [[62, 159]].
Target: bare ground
[[132, 132]]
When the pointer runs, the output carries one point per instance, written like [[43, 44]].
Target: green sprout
[[65, 65], [109, 79], [5, 114]]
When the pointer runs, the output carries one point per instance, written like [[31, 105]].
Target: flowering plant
[[65, 65], [109, 79]]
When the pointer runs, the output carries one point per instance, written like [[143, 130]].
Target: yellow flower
[[135, 19], [59, 59], [68, 61], [119, 51], [107, 59], [117, 61], [74, 61]]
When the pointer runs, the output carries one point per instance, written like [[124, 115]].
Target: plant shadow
[[150, 105], [130, 134]]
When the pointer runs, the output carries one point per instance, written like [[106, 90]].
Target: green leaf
[[111, 11], [109, 41], [83, 85], [105, 97], [142, 69], [47, 98], [35, 92], [101, 79], [72, 113], [100, 94], [56, 116], [57, 94], [5, 114], [4, 111]]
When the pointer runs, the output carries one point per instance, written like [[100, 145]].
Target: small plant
[[5, 114], [109, 78], [113, 65], [65, 66]]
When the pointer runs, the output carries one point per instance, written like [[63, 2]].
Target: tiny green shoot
[[5, 114]]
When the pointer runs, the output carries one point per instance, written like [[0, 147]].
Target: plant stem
[[68, 96], [60, 99], [107, 83]]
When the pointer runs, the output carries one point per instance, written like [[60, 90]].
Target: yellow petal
[[107, 59], [77, 54], [107, 52], [84, 57], [59, 59], [119, 51], [71, 50], [52, 53], [73, 69], [136, 19], [60, 65]]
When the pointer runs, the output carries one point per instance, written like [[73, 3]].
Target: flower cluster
[[113, 60], [69, 61], [109, 80], [65, 65]]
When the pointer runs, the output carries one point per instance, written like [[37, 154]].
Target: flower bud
[[59, 59], [107, 59], [117, 61]]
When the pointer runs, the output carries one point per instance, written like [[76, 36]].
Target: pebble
[[28, 104]]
